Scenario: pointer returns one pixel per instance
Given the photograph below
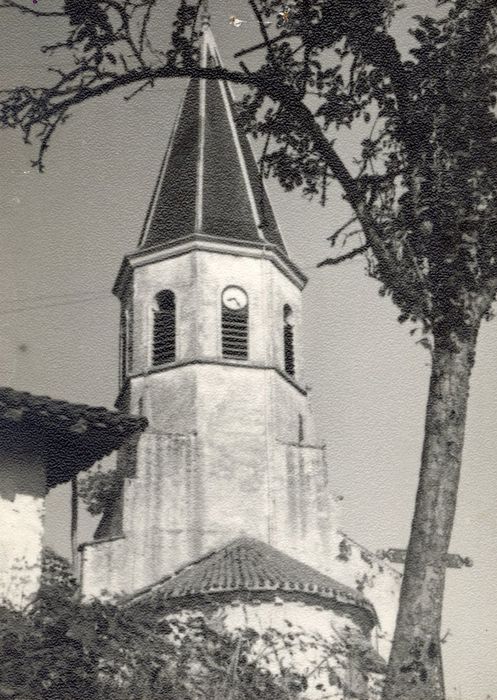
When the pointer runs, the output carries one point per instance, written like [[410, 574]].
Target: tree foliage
[[424, 174], [56, 573], [61, 649], [98, 489]]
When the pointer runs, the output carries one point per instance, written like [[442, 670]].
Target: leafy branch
[[98, 489]]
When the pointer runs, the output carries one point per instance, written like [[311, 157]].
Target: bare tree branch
[[12, 4], [346, 256], [334, 236]]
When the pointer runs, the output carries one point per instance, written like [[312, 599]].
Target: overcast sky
[[63, 235]]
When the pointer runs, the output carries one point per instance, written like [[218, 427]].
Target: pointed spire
[[209, 185]]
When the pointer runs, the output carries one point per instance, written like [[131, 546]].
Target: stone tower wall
[[198, 279]]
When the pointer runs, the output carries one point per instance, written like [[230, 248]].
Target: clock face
[[234, 298]]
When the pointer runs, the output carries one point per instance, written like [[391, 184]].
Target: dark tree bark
[[74, 527], [415, 668]]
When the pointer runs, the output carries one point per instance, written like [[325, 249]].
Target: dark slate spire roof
[[247, 564], [209, 183]]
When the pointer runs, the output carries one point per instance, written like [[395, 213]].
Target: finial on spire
[[205, 18], [205, 33]]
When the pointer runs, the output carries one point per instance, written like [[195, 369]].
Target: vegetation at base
[[59, 648]]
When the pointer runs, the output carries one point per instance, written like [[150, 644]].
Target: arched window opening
[[122, 349], [288, 340], [234, 323], [129, 340], [301, 428], [164, 341], [125, 345]]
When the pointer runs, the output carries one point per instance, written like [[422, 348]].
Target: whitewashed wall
[[309, 640], [22, 503]]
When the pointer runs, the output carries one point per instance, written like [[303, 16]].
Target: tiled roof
[[209, 184], [247, 564], [71, 436]]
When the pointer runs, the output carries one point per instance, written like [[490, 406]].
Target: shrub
[[62, 649]]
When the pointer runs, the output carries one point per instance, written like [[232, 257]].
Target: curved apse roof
[[248, 564], [209, 183]]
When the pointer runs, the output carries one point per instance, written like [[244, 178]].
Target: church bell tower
[[210, 354]]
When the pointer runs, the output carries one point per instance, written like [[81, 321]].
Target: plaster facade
[[326, 645], [22, 506], [317, 645], [370, 574], [43, 442], [231, 445], [198, 275]]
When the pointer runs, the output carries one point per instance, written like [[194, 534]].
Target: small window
[[234, 323], [288, 340], [164, 340], [129, 340]]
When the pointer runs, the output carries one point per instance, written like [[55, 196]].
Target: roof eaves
[[123, 277], [183, 245], [72, 434]]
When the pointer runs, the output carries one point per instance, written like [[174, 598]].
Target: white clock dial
[[234, 298]]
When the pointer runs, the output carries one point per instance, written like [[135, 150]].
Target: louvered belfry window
[[288, 340], [234, 324], [125, 344], [164, 341], [129, 339]]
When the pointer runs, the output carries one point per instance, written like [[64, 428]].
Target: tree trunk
[[74, 527], [415, 668]]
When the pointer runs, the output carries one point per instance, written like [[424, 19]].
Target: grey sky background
[[63, 235]]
